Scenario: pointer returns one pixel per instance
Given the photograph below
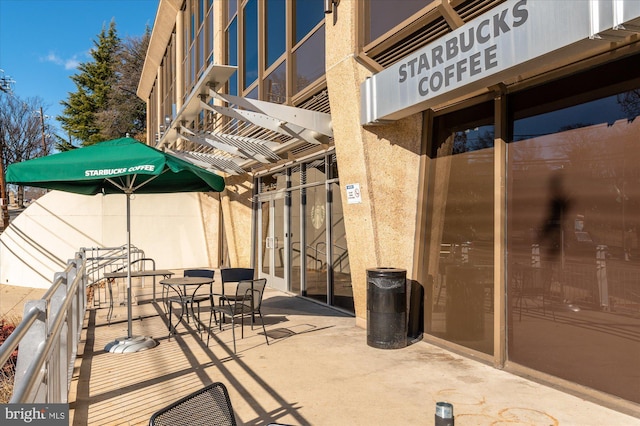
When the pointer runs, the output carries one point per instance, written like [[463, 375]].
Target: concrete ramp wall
[[38, 243]]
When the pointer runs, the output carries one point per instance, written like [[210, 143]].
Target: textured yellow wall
[[384, 160], [236, 198], [236, 212], [210, 208]]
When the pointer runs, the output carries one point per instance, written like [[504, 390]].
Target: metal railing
[[48, 337], [110, 259], [49, 332]]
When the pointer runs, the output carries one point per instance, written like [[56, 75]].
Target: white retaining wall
[[167, 227]]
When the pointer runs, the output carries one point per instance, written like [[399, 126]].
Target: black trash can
[[387, 308]]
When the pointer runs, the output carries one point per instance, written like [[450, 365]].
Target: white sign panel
[[353, 193], [476, 54]]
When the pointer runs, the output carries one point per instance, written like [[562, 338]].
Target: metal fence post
[[57, 367], [30, 344]]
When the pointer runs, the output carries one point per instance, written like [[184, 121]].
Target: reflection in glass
[[253, 94], [232, 8], [316, 257], [295, 234], [316, 243], [573, 216], [342, 288], [201, 11], [209, 36], [266, 241], [201, 53], [309, 60], [232, 55], [308, 13], [276, 85], [278, 238], [276, 24], [385, 14], [461, 187]]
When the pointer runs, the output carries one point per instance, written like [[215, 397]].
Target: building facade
[[485, 146]]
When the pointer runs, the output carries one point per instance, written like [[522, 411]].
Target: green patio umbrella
[[120, 166]]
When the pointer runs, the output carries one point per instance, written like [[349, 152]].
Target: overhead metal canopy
[[229, 134]]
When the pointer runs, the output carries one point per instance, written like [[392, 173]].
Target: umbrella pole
[[130, 343], [129, 300]]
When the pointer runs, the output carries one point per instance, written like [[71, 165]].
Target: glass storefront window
[[276, 85], [232, 55], [461, 243], [232, 8], [295, 241], [253, 94], [201, 11], [267, 254], [250, 43], [316, 243], [275, 29], [309, 60], [201, 53], [332, 167], [573, 220], [192, 23], [340, 266], [315, 171], [308, 13], [209, 33]]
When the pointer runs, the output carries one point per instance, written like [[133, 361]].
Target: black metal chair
[[246, 301], [187, 301], [208, 406], [198, 298], [234, 275]]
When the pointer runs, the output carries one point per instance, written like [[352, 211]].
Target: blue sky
[[43, 41]]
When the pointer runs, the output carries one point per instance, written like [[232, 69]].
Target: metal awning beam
[[227, 164], [230, 140], [267, 122], [249, 144], [313, 121], [216, 162], [240, 146], [211, 143], [213, 77]]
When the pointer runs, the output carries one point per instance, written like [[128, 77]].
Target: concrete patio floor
[[317, 370]]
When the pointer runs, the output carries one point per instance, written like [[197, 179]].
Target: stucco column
[[384, 161], [210, 209], [236, 214]]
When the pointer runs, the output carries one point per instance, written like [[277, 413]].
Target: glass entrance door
[[315, 234], [273, 254], [302, 245]]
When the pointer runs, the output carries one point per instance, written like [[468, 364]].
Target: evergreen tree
[[93, 84], [125, 113]]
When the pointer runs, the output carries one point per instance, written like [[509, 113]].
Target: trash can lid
[[386, 272]]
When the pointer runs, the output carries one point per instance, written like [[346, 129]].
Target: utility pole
[[5, 87], [3, 190], [44, 141]]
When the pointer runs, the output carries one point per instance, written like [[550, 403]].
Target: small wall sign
[[353, 193]]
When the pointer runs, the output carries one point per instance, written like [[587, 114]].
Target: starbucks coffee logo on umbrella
[[119, 171]]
